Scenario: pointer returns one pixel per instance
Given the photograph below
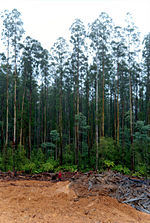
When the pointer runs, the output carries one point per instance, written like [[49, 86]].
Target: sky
[[47, 20]]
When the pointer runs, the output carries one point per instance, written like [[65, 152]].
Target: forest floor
[[32, 200]]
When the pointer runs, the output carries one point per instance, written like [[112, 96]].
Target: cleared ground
[[55, 202]]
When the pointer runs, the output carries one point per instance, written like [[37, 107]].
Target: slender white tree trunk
[[96, 117]]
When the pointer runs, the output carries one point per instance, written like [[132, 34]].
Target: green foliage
[[121, 169], [54, 135], [108, 164], [83, 156], [108, 149], [20, 158], [1, 164], [82, 123], [141, 170], [86, 169], [141, 145], [37, 157], [47, 145], [7, 160], [65, 168], [29, 167], [68, 156], [92, 160], [141, 131], [47, 167]]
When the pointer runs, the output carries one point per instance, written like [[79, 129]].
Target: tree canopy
[[84, 103]]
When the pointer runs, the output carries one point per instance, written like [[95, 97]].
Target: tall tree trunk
[[60, 121], [103, 99], [136, 102], [15, 112], [69, 116], [77, 125], [2, 129], [22, 111], [114, 112], [77, 113], [131, 123], [118, 104], [42, 116], [7, 95], [148, 113], [87, 113], [96, 118], [92, 120], [2, 138], [30, 118], [111, 114], [45, 116], [15, 108], [123, 135], [148, 98]]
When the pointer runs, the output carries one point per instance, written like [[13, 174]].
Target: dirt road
[[48, 202]]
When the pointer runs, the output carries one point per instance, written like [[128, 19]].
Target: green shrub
[[20, 158], [108, 149], [68, 156], [29, 167], [38, 158], [1, 165], [121, 169], [85, 170], [69, 168], [140, 171], [47, 167], [37, 155], [7, 160], [108, 164]]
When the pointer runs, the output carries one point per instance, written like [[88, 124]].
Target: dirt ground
[[26, 201]]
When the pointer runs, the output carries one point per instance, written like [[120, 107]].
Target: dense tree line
[[85, 102]]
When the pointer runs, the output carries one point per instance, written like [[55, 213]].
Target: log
[[135, 199]]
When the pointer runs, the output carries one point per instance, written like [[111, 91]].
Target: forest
[[84, 104]]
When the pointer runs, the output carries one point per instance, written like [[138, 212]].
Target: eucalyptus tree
[[124, 103], [132, 37], [68, 123], [77, 40], [12, 32], [146, 57], [100, 40], [31, 51], [23, 82], [94, 36], [6, 36], [59, 57], [119, 49], [44, 68], [3, 72], [100, 35], [87, 107], [17, 32], [105, 30], [137, 75]]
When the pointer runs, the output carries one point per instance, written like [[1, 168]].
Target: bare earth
[[47, 202]]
